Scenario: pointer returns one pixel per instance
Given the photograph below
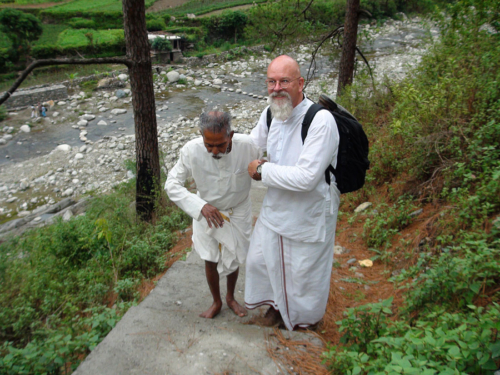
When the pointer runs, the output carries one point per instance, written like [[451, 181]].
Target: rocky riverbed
[[95, 128]]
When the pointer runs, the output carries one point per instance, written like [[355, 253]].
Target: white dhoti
[[291, 276], [226, 246]]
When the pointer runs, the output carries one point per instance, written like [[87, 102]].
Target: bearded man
[[290, 258], [221, 209]]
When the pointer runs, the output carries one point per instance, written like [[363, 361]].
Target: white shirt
[[223, 183], [295, 203]]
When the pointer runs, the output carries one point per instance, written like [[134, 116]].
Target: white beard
[[280, 109]]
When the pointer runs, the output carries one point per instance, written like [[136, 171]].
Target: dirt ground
[[33, 6]]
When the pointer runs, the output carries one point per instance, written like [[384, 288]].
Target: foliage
[[155, 24], [388, 221], [229, 25], [3, 113], [22, 28], [443, 343], [201, 7], [57, 281], [435, 136], [161, 44]]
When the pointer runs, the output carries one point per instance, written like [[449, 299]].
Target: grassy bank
[[64, 287], [434, 146]]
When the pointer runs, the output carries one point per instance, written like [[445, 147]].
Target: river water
[[390, 50]]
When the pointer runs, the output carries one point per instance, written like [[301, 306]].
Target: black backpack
[[352, 157]]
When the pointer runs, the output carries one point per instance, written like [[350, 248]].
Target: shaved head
[[284, 68]]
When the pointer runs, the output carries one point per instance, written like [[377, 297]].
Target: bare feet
[[236, 307], [212, 311]]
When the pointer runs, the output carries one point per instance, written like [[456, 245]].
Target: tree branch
[[38, 63], [365, 12], [368, 65], [313, 56]]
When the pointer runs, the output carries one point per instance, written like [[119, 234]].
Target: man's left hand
[[252, 169]]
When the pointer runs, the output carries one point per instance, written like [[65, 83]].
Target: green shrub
[[161, 44], [81, 23], [157, 24]]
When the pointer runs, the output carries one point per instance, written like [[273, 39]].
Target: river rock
[[123, 77], [82, 123], [8, 137], [363, 206], [79, 156], [88, 117], [120, 94], [173, 76], [103, 109], [118, 111], [102, 123], [217, 82], [67, 192], [65, 148], [55, 114], [25, 129], [3, 141], [197, 82]]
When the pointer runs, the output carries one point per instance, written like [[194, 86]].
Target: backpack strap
[[311, 112], [306, 123], [269, 118]]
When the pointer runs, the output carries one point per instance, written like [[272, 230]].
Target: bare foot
[[212, 311], [236, 307], [272, 318]]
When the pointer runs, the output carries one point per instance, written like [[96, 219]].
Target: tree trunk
[[346, 67], [143, 101]]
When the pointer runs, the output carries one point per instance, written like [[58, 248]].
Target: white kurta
[[223, 183], [291, 251]]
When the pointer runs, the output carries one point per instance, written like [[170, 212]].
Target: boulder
[[120, 94], [173, 76], [79, 156], [118, 111], [123, 77], [88, 117], [25, 129], [82, 123], [65, 148], [102, 123]]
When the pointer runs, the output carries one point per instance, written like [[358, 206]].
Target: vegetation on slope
[[434, 143], [65, 286]]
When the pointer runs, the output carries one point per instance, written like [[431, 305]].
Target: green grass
[[29, 2], [57, 73], [76, 37], [89, 6], [197, 7], [50, 34]]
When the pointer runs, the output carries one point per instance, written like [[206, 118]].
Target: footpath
[[165, 335]]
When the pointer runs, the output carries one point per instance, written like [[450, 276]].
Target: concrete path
[[164, 335]]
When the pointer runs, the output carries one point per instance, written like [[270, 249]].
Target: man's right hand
[[212, 215]]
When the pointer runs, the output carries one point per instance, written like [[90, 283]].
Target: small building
[[167, 56]]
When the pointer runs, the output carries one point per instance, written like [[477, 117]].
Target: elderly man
[[221, 209], [291, 251]]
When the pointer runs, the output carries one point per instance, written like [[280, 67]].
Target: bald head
[[285, 68], [285, 62]]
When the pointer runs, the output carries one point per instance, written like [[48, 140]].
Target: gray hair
[[215, 122]]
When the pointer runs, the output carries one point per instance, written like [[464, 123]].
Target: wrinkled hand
[[252, 169], [212, 215]]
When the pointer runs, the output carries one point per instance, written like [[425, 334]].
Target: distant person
[[33, 112], [39, 109], [290, 257], [221, 209], [44, 111]]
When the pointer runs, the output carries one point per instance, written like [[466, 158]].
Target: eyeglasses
[[284, 83]]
